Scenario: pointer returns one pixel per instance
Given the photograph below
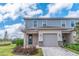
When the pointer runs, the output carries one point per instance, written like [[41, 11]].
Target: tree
[[77, 31]]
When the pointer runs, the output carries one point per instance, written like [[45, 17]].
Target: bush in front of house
[[19, 42], [25, 51], [73, 46]]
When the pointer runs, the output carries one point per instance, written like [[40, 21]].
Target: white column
[[25, 40], [72, 37], [40, 36], [59, 36]]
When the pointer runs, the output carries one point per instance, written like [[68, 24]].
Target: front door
[[30, 41]]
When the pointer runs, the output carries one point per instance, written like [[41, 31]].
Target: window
[[30, 39], [63, 25], [72, 24], [35, 23], [44, 23]]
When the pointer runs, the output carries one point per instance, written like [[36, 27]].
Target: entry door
[[30, 41], [50, 40]]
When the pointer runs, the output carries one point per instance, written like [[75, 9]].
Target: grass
[[5, 43], [7, 50], [77, 52], [38, 52], [73, 48]]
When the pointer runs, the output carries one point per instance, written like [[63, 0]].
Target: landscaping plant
[[19, 42]]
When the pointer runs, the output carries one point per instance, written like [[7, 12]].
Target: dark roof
[[50, 18]]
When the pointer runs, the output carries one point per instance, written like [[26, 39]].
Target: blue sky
[[11, 14]]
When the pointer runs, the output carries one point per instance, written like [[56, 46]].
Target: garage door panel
[[50, 40]]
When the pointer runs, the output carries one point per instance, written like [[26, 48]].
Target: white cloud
[[45, 16], [12, 10], [1, 17], [2, 33], [13, 16], [8, 10], [32, 13], [12, 28], [13, 31], [53, 8], [58, 6], [73, 14]]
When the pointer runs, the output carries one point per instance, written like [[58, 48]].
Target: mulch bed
[[25, 51]]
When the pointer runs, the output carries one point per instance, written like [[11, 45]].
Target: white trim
[[63, 23], [36, 23], [41, 32], [72, 21], [44, 21]]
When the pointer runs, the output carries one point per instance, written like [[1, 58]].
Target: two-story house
[[48, 32]]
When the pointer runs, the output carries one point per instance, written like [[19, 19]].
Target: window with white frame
[[35, 23], [72, 23], [63, 23], [44, 23]]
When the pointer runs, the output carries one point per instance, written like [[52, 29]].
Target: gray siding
[[30, 23]]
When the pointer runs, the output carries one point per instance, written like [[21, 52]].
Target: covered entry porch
[[68, 37], [31, 38]]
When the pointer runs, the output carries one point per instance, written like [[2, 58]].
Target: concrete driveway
[[57, 51]]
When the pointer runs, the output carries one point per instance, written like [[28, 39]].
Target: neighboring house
[[48, 32]]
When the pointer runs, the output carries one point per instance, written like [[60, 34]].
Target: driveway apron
[[57, 51]]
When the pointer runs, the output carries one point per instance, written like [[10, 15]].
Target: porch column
[[40, 38], [60, 41], [72, 37], [25, 40]]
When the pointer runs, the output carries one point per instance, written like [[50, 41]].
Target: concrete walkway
[[57, 51]]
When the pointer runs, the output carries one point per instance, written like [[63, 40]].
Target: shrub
[[25, 51], [19, 42]]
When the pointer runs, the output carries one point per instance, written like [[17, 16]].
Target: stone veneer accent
[[40, 43], [60, 43]]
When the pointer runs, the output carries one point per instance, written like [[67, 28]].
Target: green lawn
[[73, 47], [77, 52], [7, 50], [39, 52]]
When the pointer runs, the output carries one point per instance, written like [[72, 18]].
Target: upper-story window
[[72, 24], [63, 23], [44, 23], [35, 23]]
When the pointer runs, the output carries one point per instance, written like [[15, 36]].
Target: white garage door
[[50, 40]]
